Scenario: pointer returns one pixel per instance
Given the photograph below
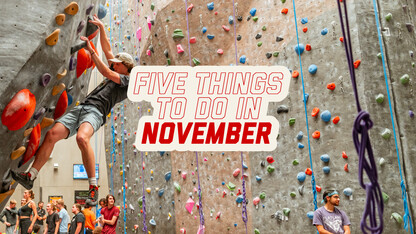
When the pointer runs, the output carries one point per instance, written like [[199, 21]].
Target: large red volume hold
[[83, 61], [33, 144], [19, 110], [61, 105]]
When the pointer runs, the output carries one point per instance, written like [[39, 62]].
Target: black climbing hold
[[258, 36], [44, 80], [51, 109], [194, 181], [269, 55], [81, 26], [262, 163], [89, 9], [179, 171], [409, 27], [80, 45], [279, 39], [69, 88], [155, 34], [282, 109], [249, 17], [238, 37], [240, 18], [152, 22], [91, 28], [151, 49], [166, 52]]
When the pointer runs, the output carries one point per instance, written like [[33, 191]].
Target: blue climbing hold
[[300, 135], [326, 116], [258, 178], [243, 59], [324, 31], [223, 183], [347, 192], [136, 58], [313, 69], [102, 12], [204, 29], [128, 37], [152, 222], [310, 214], [304, 20], [230, 19], [161, 153], [306, 97], [301, 176], [299, 49], [210, 36], [253, 11], [326, 169], [239, 199], [70, 99], [301, 146], [210, 6], [161, 192], [325, 158], [168, 175]]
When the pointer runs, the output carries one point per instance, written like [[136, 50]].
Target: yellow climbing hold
[[77, 103], [151, 172], [52, 39], [17, 153], [145, 153], [148, 190], [106, 150], [58, 88], [121, 173], [46, 122], [110, 165], [72, 8], [138, 108], [108, 4], [4, 195], [148, 110], [60, 19], [27, 132], [118, 141], [61, 75]]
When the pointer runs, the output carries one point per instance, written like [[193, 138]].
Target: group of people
[[30, 219]]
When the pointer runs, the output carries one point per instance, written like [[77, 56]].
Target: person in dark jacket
[[10, 212]]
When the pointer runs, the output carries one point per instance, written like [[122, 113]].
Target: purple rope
[[187, 27], [244, 212], [235, 35], [374, 202], [201, 214], [143, 199]]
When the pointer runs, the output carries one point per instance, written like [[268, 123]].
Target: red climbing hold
[[316, 135], [346, 167], [305, 29], [341, 39], [83, 61], [61, 105], [318, 188], [295, 74], [308, 171], [308, 47], [335, 120], [189, 9], [192, 40], [357, 63], [216, 13], [331, 86], [227, 29], [344, 155], [284, 11], [19, 110], [315, 112], [33, 144]]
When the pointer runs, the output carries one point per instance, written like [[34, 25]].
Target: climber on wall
[[86, 118]]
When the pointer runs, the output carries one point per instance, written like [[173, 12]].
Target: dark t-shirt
[[78, 218], [331, 221], [51, 222], [41, 213], [107, 94], [108, 215]]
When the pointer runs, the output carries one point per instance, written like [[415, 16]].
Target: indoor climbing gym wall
[[43, 73]]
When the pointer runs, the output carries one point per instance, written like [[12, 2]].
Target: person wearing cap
[[329, 219], [86, 118]]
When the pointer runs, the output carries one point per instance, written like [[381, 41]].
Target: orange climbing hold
[[308, 47], [346, 167], [295, 74], [305, 29], [331, 86], [58, 88], [17, 153], [19, 110], [344, 155], [62, 74], [61, 105], [335, 120], [60, 19], [46, 122], [308, 171], [72, 8], [83, 61], [52, 39], [33, 144], [315, 112], [316, 135], [357, 63], [284, 11]]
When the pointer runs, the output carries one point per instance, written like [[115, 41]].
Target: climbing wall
[[40, 76]]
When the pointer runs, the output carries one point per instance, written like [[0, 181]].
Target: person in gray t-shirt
[[328, 219]]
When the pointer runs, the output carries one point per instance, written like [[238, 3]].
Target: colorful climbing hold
[[335, 120], [313, 69], [357, 63], [33, 144], [324, 31], [19, 110], [325, 158], [346, 167], [299, 49], [301, 176], [102, 11], [178, 34], [308, 47], [210, 6], [243, 59], [253, 11], [270, 169], [316, 135], [61, 105], [72, 8], [386, 134], [209, 36], [326, 169], [284, 11], [52, 39], [331, 86], [308, 171], [380, 98], [292, 121], [326, 116], [300, 135], [60, 19], [315, 111], [295, 162], [404, 79]]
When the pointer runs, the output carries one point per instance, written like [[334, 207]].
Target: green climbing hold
[[295, 162], [388, 17], [264, 28], [177, 187], [270, 169], [293, 194], [167, 19], [385, 197], [292, 121], [405, 79], [286, 211], [231, 186], [283, 1], [168, 61], [256, 231], [386, 134], [379, 55], [173, 11], [178, 34], [196, 61], [152, 6], [140, 201], [121, 167], [259, 43], [380, 98], [397, 217], [262, 195], [413, 64], [275, 54], [255, 18]]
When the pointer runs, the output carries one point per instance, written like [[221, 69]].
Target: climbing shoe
[[92, 196], [23, 178]]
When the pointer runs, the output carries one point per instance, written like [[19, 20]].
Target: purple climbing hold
[[89, 9], [39, 113], [411, 114], [44, 79], [72, 63], [81, 26]]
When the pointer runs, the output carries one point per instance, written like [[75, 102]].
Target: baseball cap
[[124, 58]]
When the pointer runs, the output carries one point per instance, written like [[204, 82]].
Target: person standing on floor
[[89, 219], [78, 221], [41, 216], [109, 216], [25, 222], [11, 216], [63, 217], [52, 221]]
